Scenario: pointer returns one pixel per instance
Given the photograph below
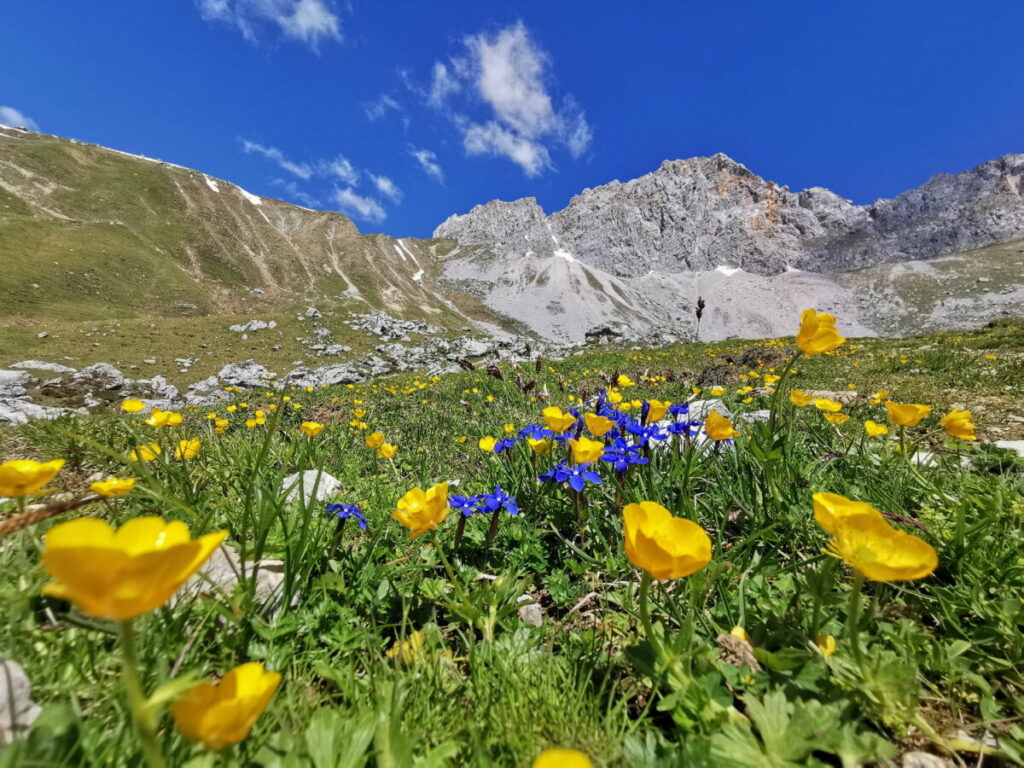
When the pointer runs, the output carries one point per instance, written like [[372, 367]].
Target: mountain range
[[89, 234]]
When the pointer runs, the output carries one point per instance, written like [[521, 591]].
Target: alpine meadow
[[686, 470]]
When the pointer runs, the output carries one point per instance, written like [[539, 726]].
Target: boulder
[[247, 375], [17, 710], [39, 365], [309, 486]]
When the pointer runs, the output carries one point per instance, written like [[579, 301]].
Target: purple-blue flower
[[491, 502], [346, 511], [464, 504], [577, 476], [621, 455]]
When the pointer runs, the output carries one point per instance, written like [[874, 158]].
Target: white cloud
[[444, 83], [310, 21], [340, 167], [14, 118], [428, 162], [296, 194], [302, 170], [386, 187], [509, 73], [358, 206], [492, 139], [377, 109]]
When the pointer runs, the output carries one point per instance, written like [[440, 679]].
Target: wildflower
[[657, 410], [826, 644], [827, 405], [614, 397], [717, 391], [348, 511], [876, 550], [562, 758], [187, 449], [719, 427], [487, 443], [771, 378], [817, 333], [799, 398], [836, 418], [146, 452], [666, 547], [121, 574], [740, 634], [461, 439], [879, 397], [311, 428], [231, 408], [374, 440], [625, 381], [387, 451], [556, 420], [359, 413], [421, 511], [24, 476], [539, 447], [874, 429], [500, 446], [577, 477], [597, 425], [131, 405], [586, 451], [252, 423], [906, 414], [464, 504], [223, 713], [113, 486], [830, 509], [492, 502], [958, 424], [160, 418]]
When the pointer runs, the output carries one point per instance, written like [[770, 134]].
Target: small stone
[[313, 485], [17, 710], [529, 611]]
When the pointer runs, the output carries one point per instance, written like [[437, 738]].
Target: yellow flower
[[719, 427], [879, 397], [539, 446], [556, 420], [826, 644], [131, 405], [231, 408], [598, 425], [830, 509], [252, 423], [771, 378], [872, 547], [225, 712], [906, 414], [311, 428], [421, 511], [359, 413], [461, 439], [187, 449], [24, 476], [717, 391], [666, 547], [657, 410], [387, 451], [614, 397], [409, 651], [374, 440], [123, 573], [113, 486], [740, 633], [836, 418], [221, 423], [160, 418], [510, 427], [958, 424], [829, 406], [799, 398], [146, 452], [486, 444], [562, 758], [817, 333], [874, 429], [625, 381], [585, 450]]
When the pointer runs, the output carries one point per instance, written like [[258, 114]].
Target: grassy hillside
[[399, 651]]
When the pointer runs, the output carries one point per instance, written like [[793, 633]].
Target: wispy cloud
[[378, 108], [386, 187], [14, 118], [302, 170], [428, 162], [340, 167], [309, 21], [355, 205], [510, 74]]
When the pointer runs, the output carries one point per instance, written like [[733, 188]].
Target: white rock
[[1012, 445], [529, 611], [223, 571], [17, 710], [313, 485], [39, 365]]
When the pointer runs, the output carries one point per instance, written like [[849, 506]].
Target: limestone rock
[[309, 486], [17, 710]]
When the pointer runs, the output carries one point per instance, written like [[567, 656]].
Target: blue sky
[[402, 113]]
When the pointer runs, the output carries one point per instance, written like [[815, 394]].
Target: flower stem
[[645, 613], [853, 617], [144, 721], [492, 530]]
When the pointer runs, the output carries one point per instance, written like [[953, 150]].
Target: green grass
[[942, 655]]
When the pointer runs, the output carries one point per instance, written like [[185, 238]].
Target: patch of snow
[[564, 254], [411, 254], [249, 196], [727, 271], [418, 277], [400, 252], [211, 183]]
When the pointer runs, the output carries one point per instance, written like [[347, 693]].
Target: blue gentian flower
[[535, 432], [645, 433], [464, 504], [504, 444], [577, 476], [346, 511], [621, 455], [491, 502], [679, 409]]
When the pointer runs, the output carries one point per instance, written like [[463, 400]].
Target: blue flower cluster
[[346, 511], [484, 502], [577, 476]]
